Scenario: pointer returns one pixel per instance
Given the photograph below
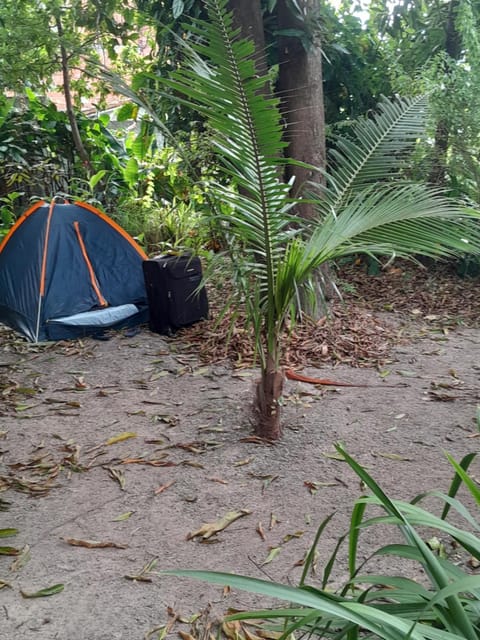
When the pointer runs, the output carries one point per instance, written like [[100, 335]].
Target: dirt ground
[[135, 443]]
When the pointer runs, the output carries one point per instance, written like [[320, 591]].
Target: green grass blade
[[309, 560], [354, 534], [460, 476]]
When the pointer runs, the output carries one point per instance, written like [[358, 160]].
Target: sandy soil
[[132, 442]]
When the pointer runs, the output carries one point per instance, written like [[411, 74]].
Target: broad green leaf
[[130, 173], [383, 624], [95, 179], [127, 111]]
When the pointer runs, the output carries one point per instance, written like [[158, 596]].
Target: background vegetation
[[387, 49]]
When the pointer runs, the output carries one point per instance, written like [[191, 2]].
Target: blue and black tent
[[68, 270]]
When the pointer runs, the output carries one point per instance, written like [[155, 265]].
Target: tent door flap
[[93, 278]]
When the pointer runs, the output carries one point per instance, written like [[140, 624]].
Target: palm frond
[[375, 148], [220, 81], [397, 219]]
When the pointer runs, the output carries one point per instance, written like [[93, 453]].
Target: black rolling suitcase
[[173, 299]]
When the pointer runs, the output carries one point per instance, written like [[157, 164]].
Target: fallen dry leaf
[[22, 559], [150, 463], [273, 553], [192, 463], [311, 486], [292, 536], [267, 480], [94, 544], [442, 397], [260, 531], [143, 575], [48, 591], [163, 487], [209, 529], [121, 437], [123, 516], [118, 476], [256, 440], [232, 630], [80, 384], [242, 463], [391, 456]]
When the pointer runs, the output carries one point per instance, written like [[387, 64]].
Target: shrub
[[393, 607]]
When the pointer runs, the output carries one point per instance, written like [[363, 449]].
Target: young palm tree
[[272, 252]]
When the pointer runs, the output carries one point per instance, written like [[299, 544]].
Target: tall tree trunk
[[453, 48], [269, 393], [77, 140], [247, 15], [300, 87], [438, 171]]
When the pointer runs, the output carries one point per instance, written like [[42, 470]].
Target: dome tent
[[68, 270]]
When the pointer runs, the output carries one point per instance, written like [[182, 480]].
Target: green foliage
[[165, 208], [174, 226], [7, 211], [355, 69], [444, 606], [355, 210], [32, 132], [21, 26], [434, 48], [37, 158], [30, 42], [168, 23], [151, 191]]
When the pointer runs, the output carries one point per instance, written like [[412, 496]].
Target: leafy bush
[[161, 227], [152, 192], [445, 606], [166, 207]]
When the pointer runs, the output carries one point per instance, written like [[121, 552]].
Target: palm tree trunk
[[269, 392]]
